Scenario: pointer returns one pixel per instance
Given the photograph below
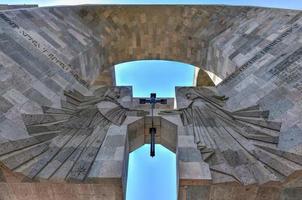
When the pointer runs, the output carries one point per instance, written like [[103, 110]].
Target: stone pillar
[[192, 171], [111, 163]]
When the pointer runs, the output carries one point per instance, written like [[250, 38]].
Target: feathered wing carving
[[238, 146], [64, 142]]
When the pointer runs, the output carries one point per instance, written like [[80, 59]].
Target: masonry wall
[[50, 191], [42, 53], [237, 192], [260, 57], [9, 6], [46, 50]]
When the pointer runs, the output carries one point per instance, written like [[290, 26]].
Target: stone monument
[[66, 129]]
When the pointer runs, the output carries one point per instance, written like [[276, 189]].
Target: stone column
[[192, 171], [111, 163]]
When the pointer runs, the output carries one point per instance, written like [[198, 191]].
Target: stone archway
[[132, 33], [167, 136], [46, 51]]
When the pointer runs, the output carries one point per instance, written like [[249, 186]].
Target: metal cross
[[152, 100]]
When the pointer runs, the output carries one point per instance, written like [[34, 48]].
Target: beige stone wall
[[49, 191], [263, 54], [13, 188], [44, 51], [90, 40]]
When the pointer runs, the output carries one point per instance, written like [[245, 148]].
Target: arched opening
[[153, 177], [163, 166], [160, 76]]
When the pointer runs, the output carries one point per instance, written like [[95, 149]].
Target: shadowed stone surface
[[9, 7], [63, 122], [89, 40]]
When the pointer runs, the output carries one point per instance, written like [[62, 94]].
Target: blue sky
[[291, 4], [154, 76], [152, 178]]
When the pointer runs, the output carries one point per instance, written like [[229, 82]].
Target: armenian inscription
[[51, 56], [290, 70], [261, 53]]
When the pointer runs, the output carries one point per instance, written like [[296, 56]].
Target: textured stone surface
[[9, 6], [88, 40], [46, 51], [68, 142], [247, 154], [48, 191]]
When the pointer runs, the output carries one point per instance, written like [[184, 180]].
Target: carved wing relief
[[238, 146], [64, 143]]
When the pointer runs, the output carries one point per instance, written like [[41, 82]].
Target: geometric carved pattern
[[64, 143], [239, 146]]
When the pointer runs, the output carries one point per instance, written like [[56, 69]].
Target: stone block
[[290, 138], [36, 96], [190, 154], [291, 193], [197, 192], [15, 97], [5, 105], [268, 193], [194, 171], [105, 169]]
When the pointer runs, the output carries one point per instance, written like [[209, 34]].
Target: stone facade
[[9, 6], [261, 62], [57, 95], [239, 151]]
